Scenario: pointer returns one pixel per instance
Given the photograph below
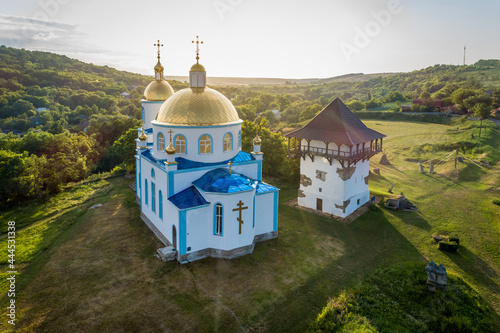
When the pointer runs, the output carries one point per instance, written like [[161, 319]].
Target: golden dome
[[159, 66], [158, 91], [257, 140], [197, 68], [170, 149], [197, 107], [143, 136]]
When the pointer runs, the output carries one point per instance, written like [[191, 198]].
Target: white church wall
[[231, 238], [264, 213], [151, 109], [198, 228], [193, 134]]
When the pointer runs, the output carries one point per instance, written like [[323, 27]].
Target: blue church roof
[[184, 163], [188, 198], [221, 181], [147, 153], [263, 188]]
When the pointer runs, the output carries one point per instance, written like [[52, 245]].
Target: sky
[[258, 38]]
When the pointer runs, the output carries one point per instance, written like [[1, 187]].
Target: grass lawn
[[94, 270]]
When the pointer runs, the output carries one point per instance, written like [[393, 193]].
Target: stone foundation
[[226, 254]]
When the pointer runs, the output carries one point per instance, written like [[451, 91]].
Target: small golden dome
[[257, 141], [197, 107], [170, 149], [143, 136], [159, 66], [197, 68], [158, 91]]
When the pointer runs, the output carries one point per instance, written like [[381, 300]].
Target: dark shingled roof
[[336, 123]]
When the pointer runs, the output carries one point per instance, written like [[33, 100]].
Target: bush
[[448, 246], [496, 201]]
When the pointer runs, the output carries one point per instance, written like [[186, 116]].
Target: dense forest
[[62, 119]]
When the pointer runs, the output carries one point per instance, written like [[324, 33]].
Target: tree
[[482, 111], [460, 95], [355, 105]]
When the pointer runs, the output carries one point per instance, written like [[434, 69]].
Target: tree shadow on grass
[[370, 242], [415, 219], [475, 267], [479, 270]]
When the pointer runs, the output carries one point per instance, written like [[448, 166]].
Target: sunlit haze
[[242, 38]]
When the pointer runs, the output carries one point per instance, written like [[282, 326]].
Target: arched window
[[228, 142], [143, 115], [239, 139], [218, 219], [153, 198], [161, 142], [160, 204], [146, 191], [152, 173], [180, 144], [205, 144]]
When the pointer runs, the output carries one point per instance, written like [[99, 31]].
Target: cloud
[[23, 32]]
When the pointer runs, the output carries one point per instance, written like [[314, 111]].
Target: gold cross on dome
[[197, 48], [230, 164], [240, 209], [170, 132], [158, 48]]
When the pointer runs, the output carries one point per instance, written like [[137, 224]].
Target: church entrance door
[[174, 237], [319, 204]]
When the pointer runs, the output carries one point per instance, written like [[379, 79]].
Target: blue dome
[[221, 181]]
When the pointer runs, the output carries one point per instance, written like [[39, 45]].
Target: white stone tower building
[[335, 147]]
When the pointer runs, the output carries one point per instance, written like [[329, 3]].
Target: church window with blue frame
[[153, 199], [180, 144], [146, 191], [161, 142], [239, 139], [143, 116], [205, 144], [160, 205], [228, 142], [152, 173], [218, 219]]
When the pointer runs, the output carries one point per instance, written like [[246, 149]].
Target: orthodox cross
[[170, 132], [240, 209], [197, 48], [230, 164], [158, 48]]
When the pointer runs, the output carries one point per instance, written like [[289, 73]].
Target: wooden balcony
[[346, 158]]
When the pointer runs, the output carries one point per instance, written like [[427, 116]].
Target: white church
[[335, 148], [197, 190]]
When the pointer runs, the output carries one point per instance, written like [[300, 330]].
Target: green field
[[94, 270]]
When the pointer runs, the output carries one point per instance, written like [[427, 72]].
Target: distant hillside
[[245, 81]]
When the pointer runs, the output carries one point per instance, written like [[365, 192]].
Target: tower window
[[161, 142], [239, 139], [205, 144], [218, 219], [146, 191], [228, 142], [180, 144]]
